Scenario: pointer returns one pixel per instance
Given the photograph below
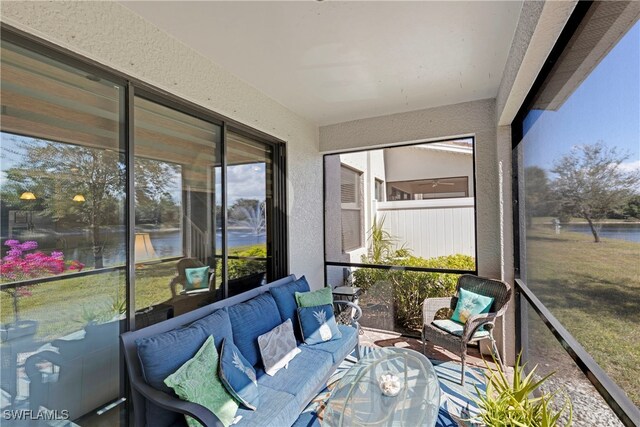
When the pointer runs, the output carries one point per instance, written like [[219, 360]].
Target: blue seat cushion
[[218, 325], [306, 374], [456, 328], [340, 348], [251, 319], [284, 296], [277, 409], [162, 354]]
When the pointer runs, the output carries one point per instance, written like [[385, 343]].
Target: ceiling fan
[[437, 182]]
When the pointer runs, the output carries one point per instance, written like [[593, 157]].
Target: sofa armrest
[[347, 313], [166, 401]]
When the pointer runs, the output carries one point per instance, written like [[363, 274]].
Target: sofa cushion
[[286, 301], [318, 324], [311, 299], [340, 348], [251, 319], [277, 409], [278, 347], [162, 354], [197, 381], [306, 374], [238, 376], [218, 325]]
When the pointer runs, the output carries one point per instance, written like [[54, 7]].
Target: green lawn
[[594, 290], [66, 305]]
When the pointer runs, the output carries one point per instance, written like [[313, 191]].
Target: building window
[[351, 206], [379, 190], [434, 188]]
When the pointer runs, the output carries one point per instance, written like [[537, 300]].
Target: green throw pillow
[[470, 304], [197, 278], [197, 381], [323, 296]]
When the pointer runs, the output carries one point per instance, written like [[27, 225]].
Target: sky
[[605, 107]]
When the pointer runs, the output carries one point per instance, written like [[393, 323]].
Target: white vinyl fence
[[431, 228]]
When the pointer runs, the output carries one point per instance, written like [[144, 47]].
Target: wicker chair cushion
[[470, 304], [456, 328]]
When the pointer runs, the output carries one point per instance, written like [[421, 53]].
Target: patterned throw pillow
[[318, 324], [238, 376], [197, 278], [197, 381], [311, 299], [278, 347], [470, 304]]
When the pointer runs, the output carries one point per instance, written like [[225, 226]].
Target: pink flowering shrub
[[18, 265]]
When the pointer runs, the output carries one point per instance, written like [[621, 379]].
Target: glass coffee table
[[358, 398]]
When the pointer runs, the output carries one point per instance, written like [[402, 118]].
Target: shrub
[[244, 267], [410, 288]]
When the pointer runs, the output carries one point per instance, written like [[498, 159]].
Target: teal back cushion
[[322, 296], [470, 304], [197, 278], [197, 381]]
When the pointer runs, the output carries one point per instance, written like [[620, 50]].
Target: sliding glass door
[[120, 207], [63, 241], [177, 158]]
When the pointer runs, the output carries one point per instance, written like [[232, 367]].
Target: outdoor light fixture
[[78, 198], [27, 195]]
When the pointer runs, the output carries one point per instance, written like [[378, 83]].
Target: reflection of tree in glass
[[590, 182], [56, 172], [154, 203], [249, 213]]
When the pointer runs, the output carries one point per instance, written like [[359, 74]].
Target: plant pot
[[19, 329]]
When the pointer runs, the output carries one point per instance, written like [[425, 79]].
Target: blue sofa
[[154, 352]]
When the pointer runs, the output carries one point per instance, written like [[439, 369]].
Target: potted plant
[[22, 264], [520, 402]]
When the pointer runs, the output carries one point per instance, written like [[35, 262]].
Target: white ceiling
[[338, 61]]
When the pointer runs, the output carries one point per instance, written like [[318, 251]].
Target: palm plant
[[519, 402]]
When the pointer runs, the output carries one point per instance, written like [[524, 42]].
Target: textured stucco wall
[[539, 25], [113, 35]]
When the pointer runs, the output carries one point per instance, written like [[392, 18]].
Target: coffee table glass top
[[358, 398]]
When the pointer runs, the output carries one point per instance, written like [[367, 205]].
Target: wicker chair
[[181, 278], [499, 290]]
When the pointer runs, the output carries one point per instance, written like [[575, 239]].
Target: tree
[[590, 182], [537, 195], [56, 172], [632, 208]]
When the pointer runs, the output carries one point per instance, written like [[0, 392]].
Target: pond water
[[624, 231]]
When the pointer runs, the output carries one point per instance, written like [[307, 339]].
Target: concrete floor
[[378, 338]]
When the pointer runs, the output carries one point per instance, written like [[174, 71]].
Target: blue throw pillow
[[286, 302], [197, 278], [470, 304], [238, 376], [318, 324]]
